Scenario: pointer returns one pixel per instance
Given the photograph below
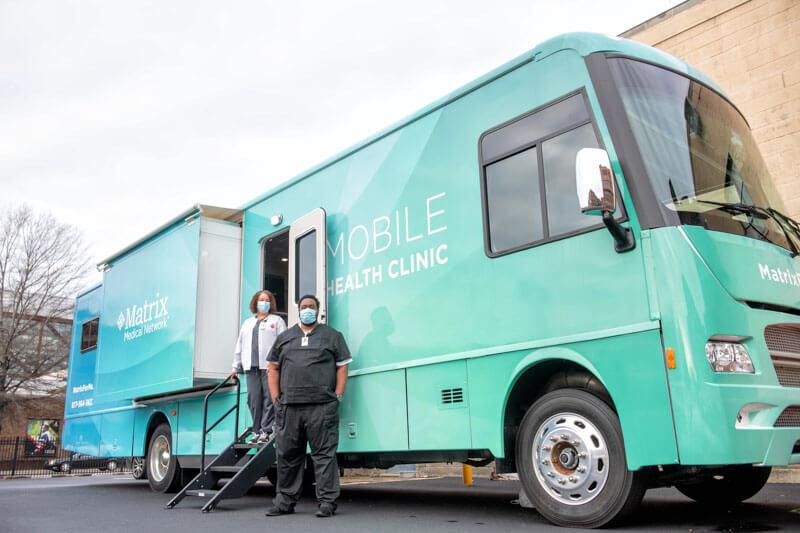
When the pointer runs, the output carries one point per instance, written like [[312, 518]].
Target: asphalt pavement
[[119, 503]]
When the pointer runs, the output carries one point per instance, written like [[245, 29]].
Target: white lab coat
[[268, 331]]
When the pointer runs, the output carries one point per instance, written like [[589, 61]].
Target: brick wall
[[751, 48]]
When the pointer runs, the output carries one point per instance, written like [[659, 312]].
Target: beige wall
[[751, 48]]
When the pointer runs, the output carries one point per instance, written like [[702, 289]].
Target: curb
[[785, 475]]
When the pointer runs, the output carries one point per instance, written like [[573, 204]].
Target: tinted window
[[563, 211], [529, 170], [89, 335], [513, 201], [521, 132], [306, 265]]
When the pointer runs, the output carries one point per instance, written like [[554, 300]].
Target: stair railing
[[234, 407]]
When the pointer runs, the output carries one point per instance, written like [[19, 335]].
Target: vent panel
[[452, 396]]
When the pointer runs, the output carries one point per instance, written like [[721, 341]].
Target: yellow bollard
[[466, 474]]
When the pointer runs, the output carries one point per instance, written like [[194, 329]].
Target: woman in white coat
[[256, 337]]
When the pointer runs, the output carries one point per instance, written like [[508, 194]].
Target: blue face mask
[[308, 316], [262, 306]]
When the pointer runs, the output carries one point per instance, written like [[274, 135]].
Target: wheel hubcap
[[137, 467], [570, 458], [160, 454]]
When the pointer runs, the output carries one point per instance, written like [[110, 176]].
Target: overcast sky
[[115, 116]]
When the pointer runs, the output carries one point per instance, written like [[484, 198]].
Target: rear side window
[[528, 176], [89, 334]]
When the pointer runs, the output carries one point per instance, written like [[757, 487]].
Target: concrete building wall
[[751, 48]]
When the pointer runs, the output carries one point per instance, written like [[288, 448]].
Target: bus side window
[[89, 334], [528, 176]]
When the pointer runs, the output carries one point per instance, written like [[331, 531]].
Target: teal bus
[[575, 266]]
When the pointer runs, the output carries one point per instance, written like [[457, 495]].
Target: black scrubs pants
[[318, 425]]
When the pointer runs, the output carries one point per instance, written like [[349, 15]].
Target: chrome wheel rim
[[137, 467], [570, 458], [160, 455]]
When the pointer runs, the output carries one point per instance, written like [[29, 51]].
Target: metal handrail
[[220, 419]]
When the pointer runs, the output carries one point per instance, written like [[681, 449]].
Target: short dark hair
[[316, 301], [273, 306]]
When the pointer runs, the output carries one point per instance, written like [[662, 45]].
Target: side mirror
[[594, 182]]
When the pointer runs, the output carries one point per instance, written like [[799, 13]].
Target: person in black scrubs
[[307, 375]]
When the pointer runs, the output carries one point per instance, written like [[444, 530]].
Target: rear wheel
[[163, 471], [138, 469], [732, 485], [571, 461]]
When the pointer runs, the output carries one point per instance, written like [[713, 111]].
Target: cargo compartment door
[[307, 263]]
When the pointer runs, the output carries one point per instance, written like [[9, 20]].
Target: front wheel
[[571, 461], [163, 471], [729, 486]]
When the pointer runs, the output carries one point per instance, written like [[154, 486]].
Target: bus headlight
[[729, 357]]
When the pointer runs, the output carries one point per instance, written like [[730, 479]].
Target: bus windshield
[[701, 159]]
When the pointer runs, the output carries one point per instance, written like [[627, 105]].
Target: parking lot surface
[[119, 503]]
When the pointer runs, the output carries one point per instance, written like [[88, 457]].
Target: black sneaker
[[277, 511], [325, 511]]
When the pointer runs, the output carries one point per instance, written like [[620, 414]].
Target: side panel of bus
[[429, 315]]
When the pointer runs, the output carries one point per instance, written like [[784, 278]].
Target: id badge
[[304, 341]]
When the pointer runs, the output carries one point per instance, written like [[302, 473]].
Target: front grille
[[788, 376], [783, 339], [790, 417], [783, 343]]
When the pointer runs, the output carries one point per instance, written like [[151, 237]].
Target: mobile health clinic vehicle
[[575, 265]]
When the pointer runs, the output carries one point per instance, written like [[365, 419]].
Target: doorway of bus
[[275, 273]]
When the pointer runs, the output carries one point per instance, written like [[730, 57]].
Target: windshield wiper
[[786, 222], [763, 213], [750, 209]]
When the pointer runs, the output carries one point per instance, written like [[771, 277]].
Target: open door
[[307, 263]]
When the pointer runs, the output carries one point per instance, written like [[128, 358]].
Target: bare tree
[[43, 263]]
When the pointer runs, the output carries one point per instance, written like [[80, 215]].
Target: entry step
[[248, 446], [202, 493], [225, 469]]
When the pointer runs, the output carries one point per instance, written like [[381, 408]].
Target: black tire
[[163, 471], [65, 467], [138, 467], [590, 436], [729, 486]]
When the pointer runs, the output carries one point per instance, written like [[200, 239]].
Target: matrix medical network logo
[[143, 319]]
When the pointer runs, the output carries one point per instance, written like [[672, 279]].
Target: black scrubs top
[[308, 368]]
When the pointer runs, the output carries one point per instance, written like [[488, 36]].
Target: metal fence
[[23, 457]]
